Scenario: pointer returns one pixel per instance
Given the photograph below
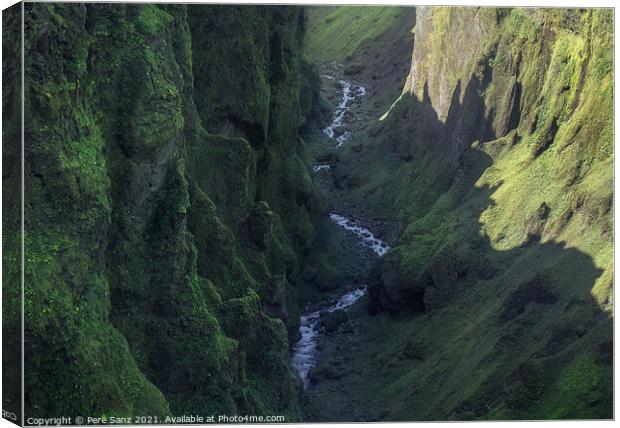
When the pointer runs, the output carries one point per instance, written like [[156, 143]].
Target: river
[[305, 353], [349, 94]]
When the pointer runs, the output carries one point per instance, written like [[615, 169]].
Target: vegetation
[[174, 229], [168, 217]]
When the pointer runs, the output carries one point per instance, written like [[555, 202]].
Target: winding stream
[[305, 353], [350, 92]]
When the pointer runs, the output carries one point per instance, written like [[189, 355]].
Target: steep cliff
[[499, 152], [533, 92], [168, 208]]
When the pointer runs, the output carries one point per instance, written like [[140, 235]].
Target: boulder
[[326, 371], [353, 69], [536, 223], [331, 321]]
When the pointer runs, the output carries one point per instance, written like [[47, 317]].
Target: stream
[[305, 353], [350, 92]]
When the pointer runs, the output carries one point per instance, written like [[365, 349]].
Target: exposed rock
[[332, 321], [536, 290], [536, 224], [353, 69]]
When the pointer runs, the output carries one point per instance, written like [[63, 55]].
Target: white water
[[366, 237], [348, 94], [305, 352], [318, 168]]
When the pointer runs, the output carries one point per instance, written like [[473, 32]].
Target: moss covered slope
[[499, 154], [169, 208]]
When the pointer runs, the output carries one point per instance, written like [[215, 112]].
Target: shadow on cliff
[[419, 147], [538, 297]]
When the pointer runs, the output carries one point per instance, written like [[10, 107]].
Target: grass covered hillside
[[168, 209], [338, 33], [495, 166]]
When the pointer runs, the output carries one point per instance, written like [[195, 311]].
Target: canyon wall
[[168, 208], [501, 144]]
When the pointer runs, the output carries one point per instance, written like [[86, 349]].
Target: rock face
[[465, 34], [11, 220], [162, 153]]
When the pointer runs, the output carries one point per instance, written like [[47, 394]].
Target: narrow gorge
[[325, 213]]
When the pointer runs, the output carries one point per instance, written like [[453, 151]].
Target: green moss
[[579, 392], [152, 19], [138, 219]]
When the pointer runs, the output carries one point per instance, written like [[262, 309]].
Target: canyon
[[326, 213]]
